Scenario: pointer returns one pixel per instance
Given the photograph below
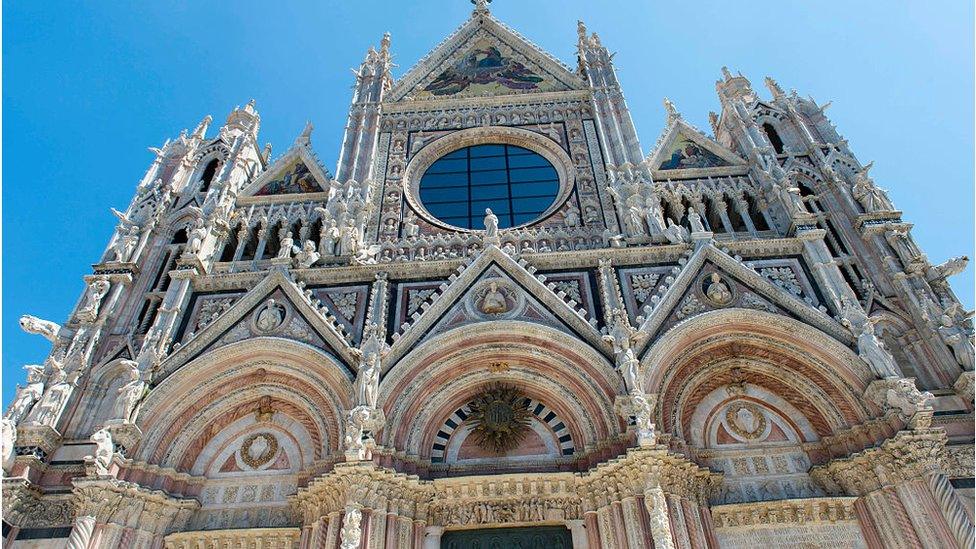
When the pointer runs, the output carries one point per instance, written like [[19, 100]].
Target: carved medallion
[[745, 421], [717, 290], [500, 418], [258, 449], [495, 298], [269, 316]]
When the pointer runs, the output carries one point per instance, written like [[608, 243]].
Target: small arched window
[[180, 237], [208, 174], [773, 137]]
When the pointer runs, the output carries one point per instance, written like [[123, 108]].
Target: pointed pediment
[[682, 151], [297, 172], [494, 286], [276, 307], [484, 57], [711, 279]]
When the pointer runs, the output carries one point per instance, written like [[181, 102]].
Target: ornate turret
[[242, 121]]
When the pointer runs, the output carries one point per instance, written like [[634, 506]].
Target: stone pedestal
[[36, 440], [125, 434]]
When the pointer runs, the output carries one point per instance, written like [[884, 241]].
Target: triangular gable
[[484, 57], [518, 303], [493, 262], [298, 171], [679, 301], [682, 151], [301, 323]]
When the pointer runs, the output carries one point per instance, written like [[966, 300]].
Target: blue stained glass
[[444, 180], [517, 184], [448, 194], [449, 166], [489, 178], [536, 188], [533, 174], [488, 163], [486, 150], [533, 161]]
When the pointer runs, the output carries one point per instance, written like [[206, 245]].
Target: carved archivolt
[[192, 405], [442, 375], [816, 374]]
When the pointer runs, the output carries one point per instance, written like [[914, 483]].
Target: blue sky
[[88, 86]]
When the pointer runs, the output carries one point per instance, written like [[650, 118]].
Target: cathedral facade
[[501, 324]]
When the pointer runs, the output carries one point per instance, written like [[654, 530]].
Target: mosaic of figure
[[295, 179], [686, 154], [484, 69]]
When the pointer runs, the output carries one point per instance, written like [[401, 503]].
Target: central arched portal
[[535, 537]]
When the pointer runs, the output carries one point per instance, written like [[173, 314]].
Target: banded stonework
[[730, 341]]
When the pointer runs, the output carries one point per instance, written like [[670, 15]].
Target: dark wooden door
[[537, 537]]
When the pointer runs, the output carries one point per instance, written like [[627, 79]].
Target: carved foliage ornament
[[258, 449], [500, 418]]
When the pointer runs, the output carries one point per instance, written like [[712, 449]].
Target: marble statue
[[126, 244], [306, 256], [368, 379], [643, 408], [717, 291], [97, 289], [629, 368], [357, 422], [870, 196], [284, 250], [494, 301], [958, 341], [270, 317], [676, 234], [410, 227], [351, 533], [197, 234], [130, 393], [491, 226], [8, 441], [57, 392], [27, 396], [104, 450], [328, 243], [695, 220]]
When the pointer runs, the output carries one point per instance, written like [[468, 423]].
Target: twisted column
[[81, 532], [657, 510], [952, 509]]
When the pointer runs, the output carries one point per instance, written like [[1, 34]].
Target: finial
[[726, 74], [581, 31], [672, 112], [773, 87], [867, 167], [306, 134], [480, 7], [385, 43], [267, 153], [201, 129]]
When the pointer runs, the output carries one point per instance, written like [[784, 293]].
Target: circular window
[[516, 183]]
